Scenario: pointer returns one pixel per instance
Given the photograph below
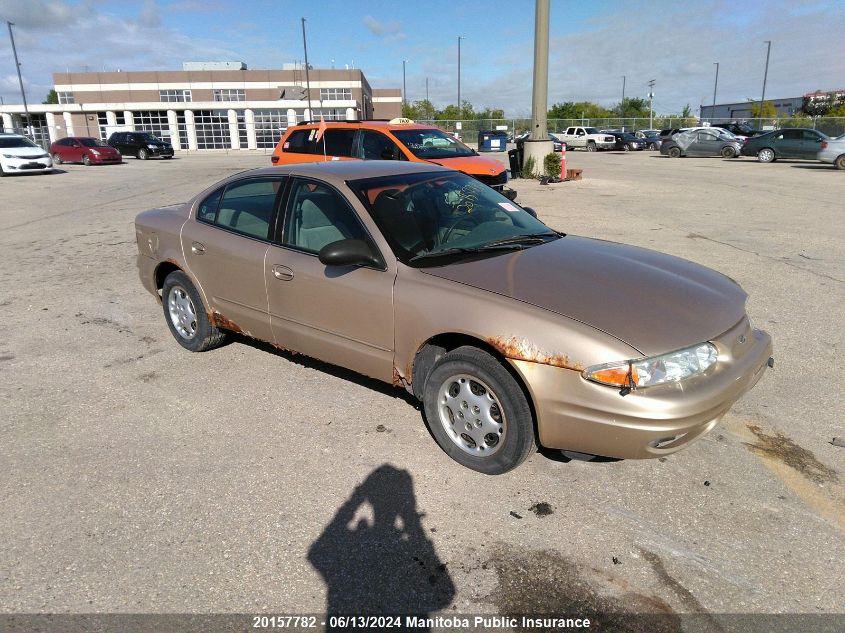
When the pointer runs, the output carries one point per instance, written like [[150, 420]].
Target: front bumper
[[104, 159], [604, 145], [27, 165], [578, 415]]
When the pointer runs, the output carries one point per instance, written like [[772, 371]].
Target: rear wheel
[[654, 146], [57, 159], [143, 154], [86, 160], [766, 155], [477, 412], [186, 316], [728, 152], [839, 163], [674, 152]]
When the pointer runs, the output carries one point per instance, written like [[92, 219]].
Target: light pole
[[651, 103], [307, 80], [460, 37], [715, 84], [20, 80], [426, 88], [622, 105], [765, 75], [404, 98]]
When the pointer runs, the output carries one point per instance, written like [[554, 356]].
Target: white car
[[833, 151], [19, 155]]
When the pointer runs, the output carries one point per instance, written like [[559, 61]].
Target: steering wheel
[[461, 220]]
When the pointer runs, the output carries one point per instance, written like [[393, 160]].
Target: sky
[[593, 44]]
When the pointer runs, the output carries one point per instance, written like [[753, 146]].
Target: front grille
[[496, 182]]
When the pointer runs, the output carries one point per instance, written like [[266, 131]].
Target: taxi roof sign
[[401, 121]]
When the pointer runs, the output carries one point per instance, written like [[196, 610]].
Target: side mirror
[[530, 211], [349, 252]]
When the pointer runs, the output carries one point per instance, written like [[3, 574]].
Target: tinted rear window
[[338, 142]]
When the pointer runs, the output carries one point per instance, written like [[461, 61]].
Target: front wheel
[[86, 160], [143, 154], [478, 413], [591, 146], [728, 152], [766, 155], [186, 316], [839, 163], [674, 152]]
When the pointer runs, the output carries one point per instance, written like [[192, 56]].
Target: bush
[[551, 165], [529, 168]]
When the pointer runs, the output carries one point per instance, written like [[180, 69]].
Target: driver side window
[[376, 146]]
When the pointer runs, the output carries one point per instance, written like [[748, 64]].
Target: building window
[[212, 129], [66, 97], [229, 94], [174, 96], [329, 115], [335, 94], [157, 123]]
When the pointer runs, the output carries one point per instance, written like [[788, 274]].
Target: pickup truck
[[588, 138]]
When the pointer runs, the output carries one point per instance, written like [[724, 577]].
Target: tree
[[686, 112], [421, 110], [634, 108], [766, 112], [52, 97], [578, 110]]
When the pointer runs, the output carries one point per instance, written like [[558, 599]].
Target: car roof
[[351, 169], [372, 124]]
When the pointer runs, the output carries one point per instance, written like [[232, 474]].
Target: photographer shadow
[[375, 557]]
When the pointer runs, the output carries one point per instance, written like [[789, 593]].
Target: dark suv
[[140, 144], [739, 129]]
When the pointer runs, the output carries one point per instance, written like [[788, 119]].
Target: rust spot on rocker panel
[[397, 380], [522, 349], [218, 320]]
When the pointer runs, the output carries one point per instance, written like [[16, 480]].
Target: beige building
[[207, 105]]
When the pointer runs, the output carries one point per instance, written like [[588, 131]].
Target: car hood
[[474, 165], [651, 301], [24, 152]]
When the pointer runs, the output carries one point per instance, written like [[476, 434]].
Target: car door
[[342, 315], [75, 151], [708, 144], [789, 144], [811, 143], [118, 141], [374, 145], [225, 242]]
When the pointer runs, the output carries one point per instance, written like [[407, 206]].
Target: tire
[[727, 152], [185, 315], [591, 146], [86, 160], [654, 146], [766, 155], [468, 382], [839, 163], [674, 152], [57, 159], [143, 154], [626, 148]]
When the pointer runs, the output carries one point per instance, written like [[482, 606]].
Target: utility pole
[[715, 84], [307, 79], [20, 80], [765, 75], [426, 88], [404, 98], [622, 105], [651, 103], [538, 145], [459, 76]]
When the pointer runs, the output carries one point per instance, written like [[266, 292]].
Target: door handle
[[197, 248], [282, 272]]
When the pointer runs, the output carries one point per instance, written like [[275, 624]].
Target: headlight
[[152, 146], [647, 372], [95, 152]]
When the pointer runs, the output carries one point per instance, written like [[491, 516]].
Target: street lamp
[[622, 105], [20, 80], [651, 103], [404, 98], [765, 74], [715, 83]]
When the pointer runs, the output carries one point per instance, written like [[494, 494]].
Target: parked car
[[588, 138], [142, 145], [742, 130], [833, 151], [626, 141], [423, 277], [397, 139], [557, 144], [785, 143], [652, 138], [84, 149], [701, 142], [19, 155]]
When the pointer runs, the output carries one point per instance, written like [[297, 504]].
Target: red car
[[83, 149]]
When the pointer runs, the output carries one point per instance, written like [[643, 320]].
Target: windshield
[[93, 142], [432, 143], [423, 216], [16, 141]]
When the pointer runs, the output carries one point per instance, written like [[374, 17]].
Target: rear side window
[[301, 142], [338, 142], [245, 206], [792, 135]]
